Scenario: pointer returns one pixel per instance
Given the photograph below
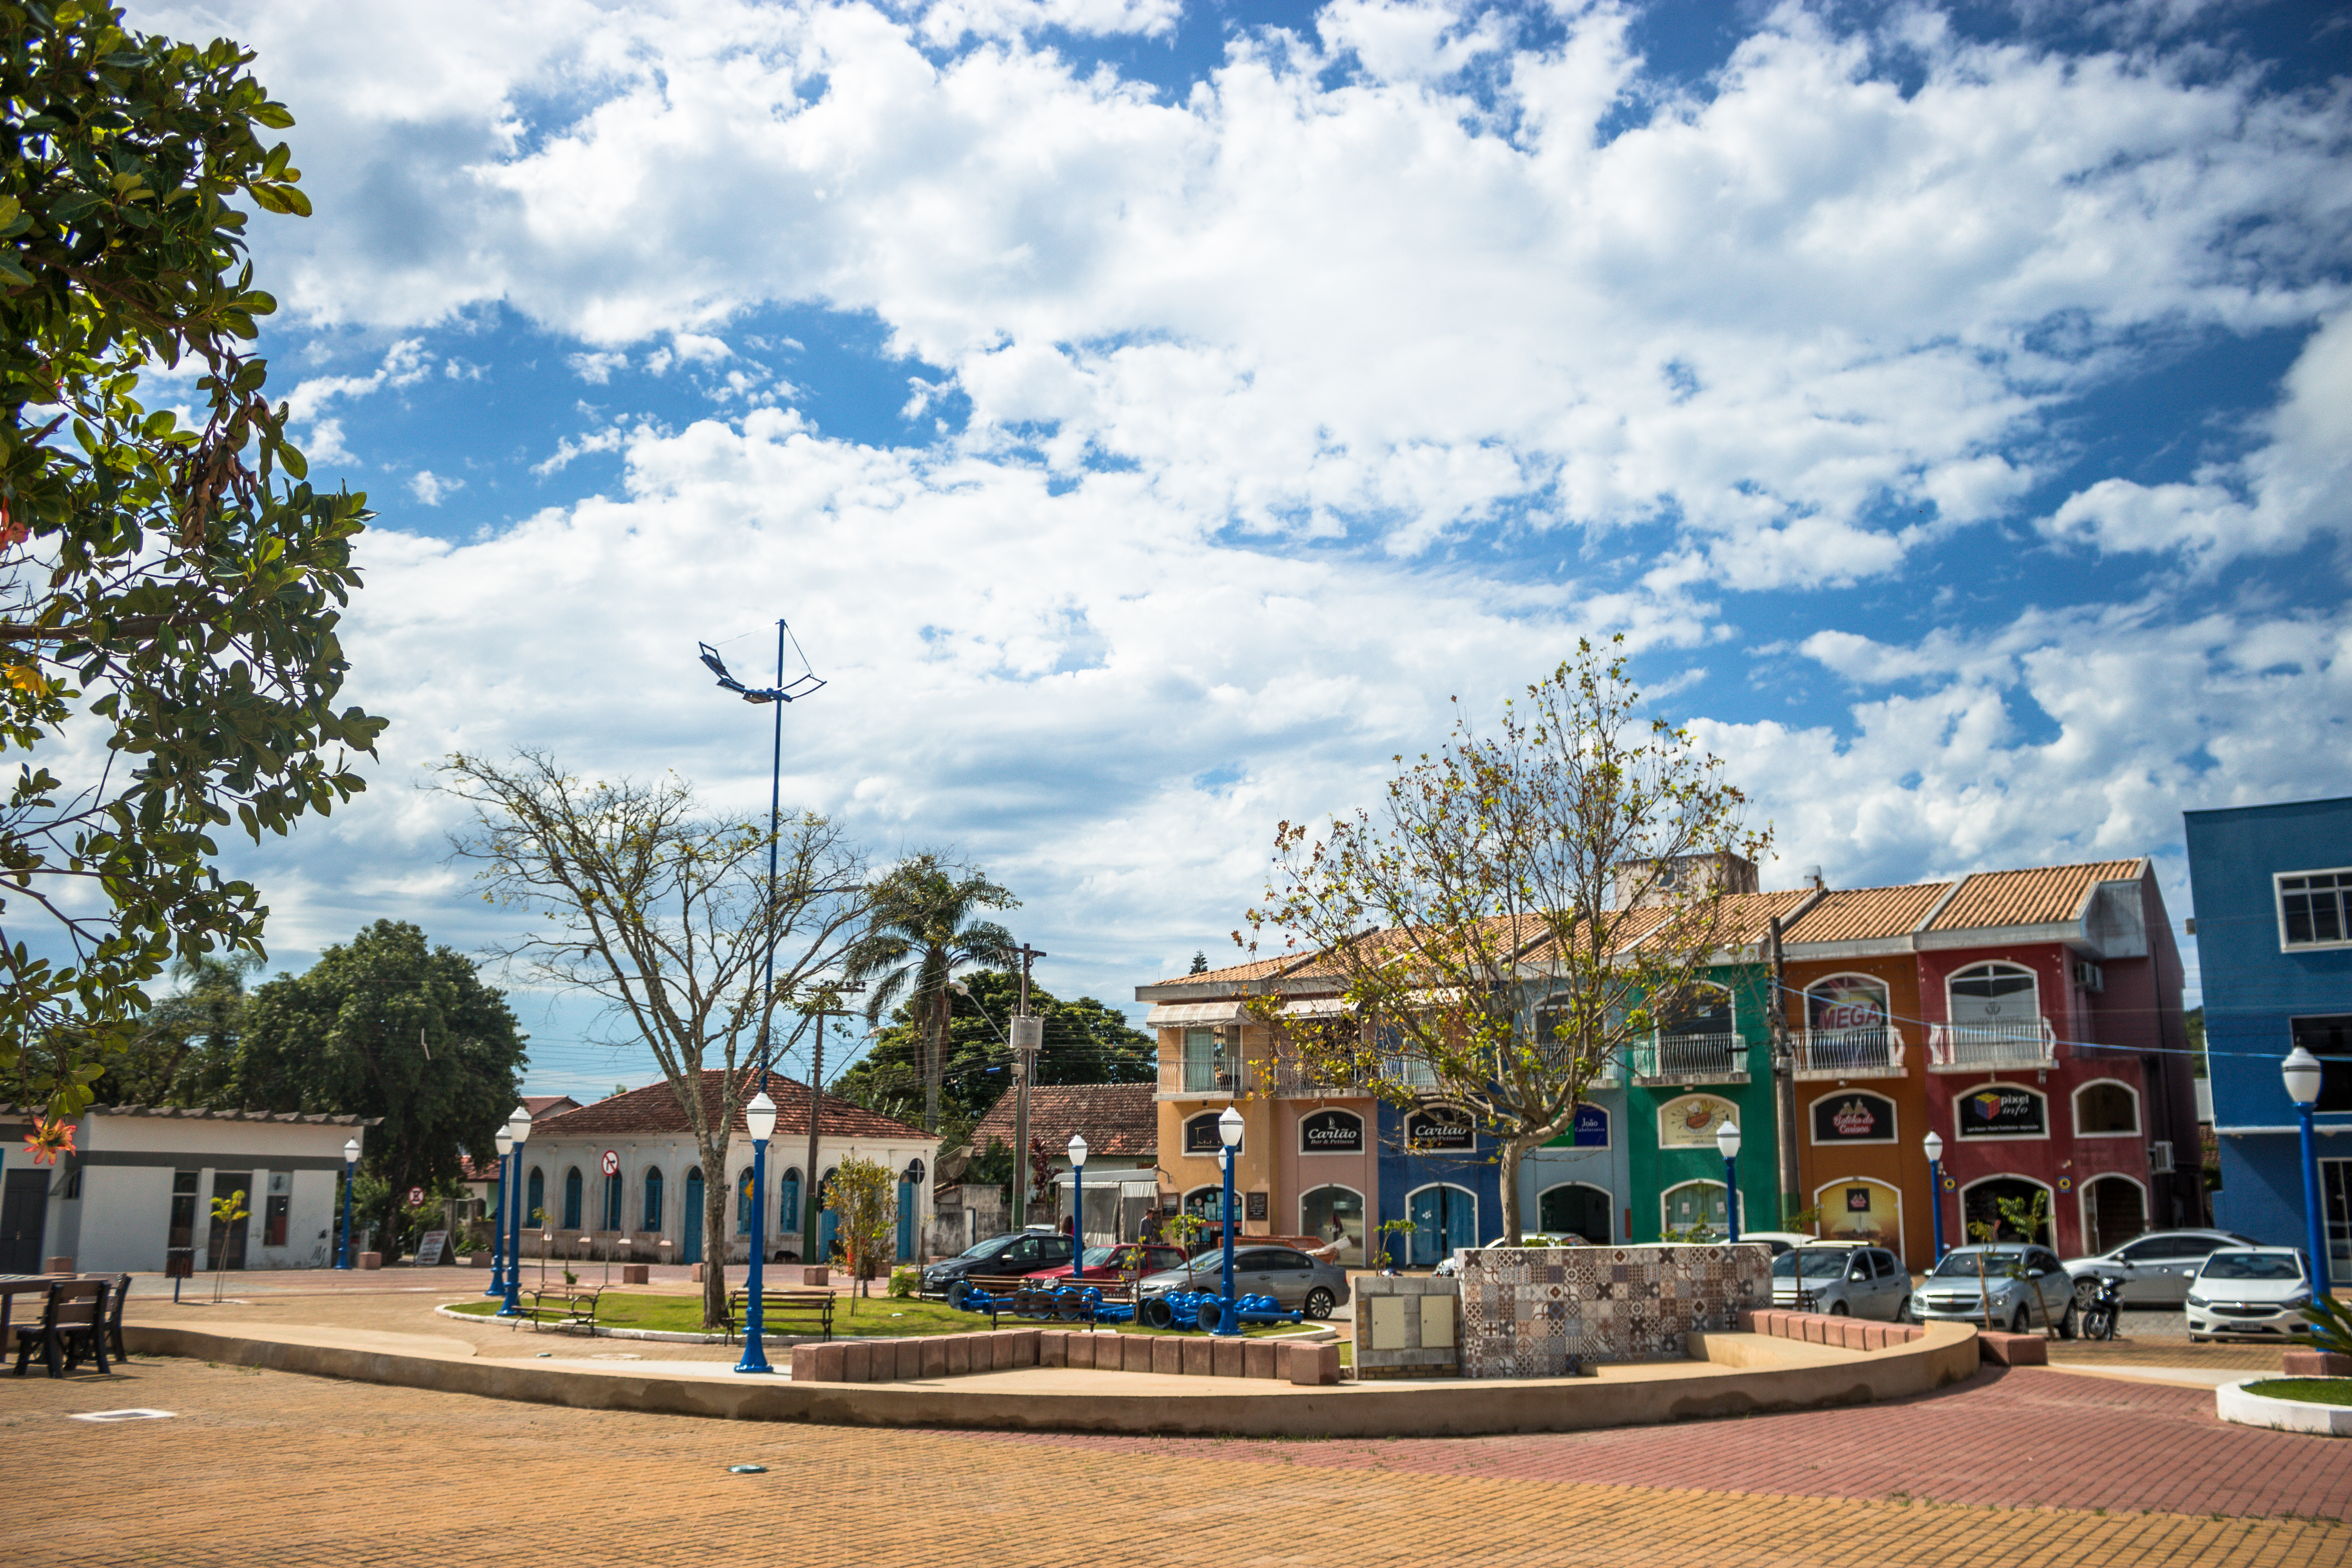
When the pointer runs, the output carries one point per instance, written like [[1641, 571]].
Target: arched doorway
[[534, 1210], [653, 1214], [827, 1221], [1445, 1217], [1858, 1208], [1696, 1206], [691, 1226], [1577, 1208], [2113, 1211], [1334, 1212], [1980, 1205], [911, 1200], [1205, 1203]]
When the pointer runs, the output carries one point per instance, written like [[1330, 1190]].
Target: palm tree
[[926, 926]]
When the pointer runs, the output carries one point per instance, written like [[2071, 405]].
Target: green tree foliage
[[1518, 912], [173, 588], [184, 1051], [864, 1195], [927, 923], [1086, 1042], [387, 1026]]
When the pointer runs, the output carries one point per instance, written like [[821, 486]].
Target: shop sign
[[2002, 1111], [1256, 1202], [1331, 1133], [1853, 1118], [1442, 1128], [1590, 1129], [1845, 1001], [1691, 1121], [1201, 1135]]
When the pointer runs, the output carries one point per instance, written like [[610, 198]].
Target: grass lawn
[[2305, 1390]]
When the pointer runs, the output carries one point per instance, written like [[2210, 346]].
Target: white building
[[142, 1180], [655, 1194]]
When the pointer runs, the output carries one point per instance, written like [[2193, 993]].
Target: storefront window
[[1335, 1214], [2105, 1109], [1576, 1209], [1697, 1207], [1859, 1210]]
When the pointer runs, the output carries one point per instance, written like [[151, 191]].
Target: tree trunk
[[1514, 1222], [716, 1235], [931, 1052]]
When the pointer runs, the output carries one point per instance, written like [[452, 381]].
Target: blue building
[[2272, 886]]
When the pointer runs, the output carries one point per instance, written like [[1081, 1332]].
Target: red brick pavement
[[2022, 1438]]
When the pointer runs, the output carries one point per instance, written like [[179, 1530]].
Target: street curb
[[2232, 1402]]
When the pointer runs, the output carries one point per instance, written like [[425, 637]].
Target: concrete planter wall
[[2231, 1402]]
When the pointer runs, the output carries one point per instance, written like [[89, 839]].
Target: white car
[[2255, 1290]]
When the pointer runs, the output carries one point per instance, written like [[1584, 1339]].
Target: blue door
[[906, 1222], [826, 1224], [1444, 1217], [692, 1251]]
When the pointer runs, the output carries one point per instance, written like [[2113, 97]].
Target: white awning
[[1192, 1014], [1317, 1007], [1130, 1183]]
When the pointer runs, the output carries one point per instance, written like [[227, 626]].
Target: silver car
[[2020, 1302], [1311, 1285], [1843, 1279], [2156, 1268]]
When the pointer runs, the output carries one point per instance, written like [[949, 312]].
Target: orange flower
[[47, 1140]]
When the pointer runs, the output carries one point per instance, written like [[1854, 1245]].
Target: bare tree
[[1524, 906], [668, 915]]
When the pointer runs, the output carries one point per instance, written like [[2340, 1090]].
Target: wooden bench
[[567, 1306], [73, 1328], [783, 1312]]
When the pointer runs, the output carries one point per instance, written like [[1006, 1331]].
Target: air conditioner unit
[[2090, 977], [2159, 1157]]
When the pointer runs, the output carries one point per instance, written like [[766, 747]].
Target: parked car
[[1015, 1252], [1843, 1279], [1780, 1241], [1951, 1292], [2254, 1290], [1312, 1285], [2156, 1268], [1119, 1262], [1446, 1266]]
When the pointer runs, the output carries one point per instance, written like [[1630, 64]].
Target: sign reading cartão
[[1331, 1133], [1441, 1128]]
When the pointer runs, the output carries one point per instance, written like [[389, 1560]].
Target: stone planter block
[[2317, 1364], [2013, 1350], [1226, 1358], [1053, 1347], [1079, 1349], [910, 1359], [858, 1366], [364, 1260], [634, 1274], [934, 1358], [56, 1266], [1138, 1351], [1313, 1366], [828, 1364], [1258, 1359], [958, 1354], [1196, 1357], [1168, 1356], [817, 1274]]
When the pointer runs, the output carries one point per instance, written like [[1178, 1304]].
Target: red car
[[1129, 1261]]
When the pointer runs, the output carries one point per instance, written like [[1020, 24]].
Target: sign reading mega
[[2001, 1111], [1441, 1128]]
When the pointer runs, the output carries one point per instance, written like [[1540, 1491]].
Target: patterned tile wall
[[1554, 1311]]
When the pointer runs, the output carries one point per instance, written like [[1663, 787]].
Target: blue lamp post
[[2303, 1074], [1934, 1144], [350, 1161], [519, 1131], [505, 1142], [1079, 1206], [1726, 1139], [759, 1121], [1229, 1129]]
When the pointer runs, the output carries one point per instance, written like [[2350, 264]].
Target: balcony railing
[[1221, 1075], [1971, 1047], [1294, 1075], [1873, 1051], [1691, 1059], [1410, 1071]]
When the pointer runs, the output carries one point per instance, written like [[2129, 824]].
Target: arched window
[[571, 1198], [1696, 1206], [2107, 1109], [1202, 1136], [1335, 1214], [1445, 1217], [1577, 1208], [1994, 994], [2113, 1211], [613, 1186], [1858, 1208], [653, 1216], [1845, 1024], [1207, 1203], [534, 1209], [790, 1204], [1980, 1205], [1697, 1035]]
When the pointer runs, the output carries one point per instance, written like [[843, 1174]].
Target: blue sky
[[1150, 414]]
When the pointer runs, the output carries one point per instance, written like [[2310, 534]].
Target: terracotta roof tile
[[1256, 969], [2037, 896], [655, 1111], [541, 1105], [1116, 1118], [1866, 914]]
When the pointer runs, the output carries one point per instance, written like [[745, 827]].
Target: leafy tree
[[184, 1051], [1200, 962], [864, 1195], [1530, 907], [1085, 1041], [169, 592], [386, 1026], [667, 916], [927, 925]]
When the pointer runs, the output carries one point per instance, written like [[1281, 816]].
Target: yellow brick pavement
[[264, 1468]]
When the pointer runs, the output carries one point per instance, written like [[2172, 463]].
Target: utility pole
[[1784, 1077], [1028, 1039], [825, 1009]]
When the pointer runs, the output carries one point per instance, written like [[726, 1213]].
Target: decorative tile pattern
[[1552, 1313]]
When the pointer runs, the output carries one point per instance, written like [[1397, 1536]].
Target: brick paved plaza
[[2039, 1466]]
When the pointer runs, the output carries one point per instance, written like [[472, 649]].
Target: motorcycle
[[2106, 1307]]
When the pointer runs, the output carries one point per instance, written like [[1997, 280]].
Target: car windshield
[[989, 1248], [2278, 1265], [1818, 1264], [1957, 1264]]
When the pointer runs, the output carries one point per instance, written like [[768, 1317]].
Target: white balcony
[[1714, 1058], [1873, 1051], [1975, 1047]]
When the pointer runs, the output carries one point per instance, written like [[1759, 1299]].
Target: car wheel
[[2085, 1288], [2022, 1320], [2066, 1324], [1902, 1311], [1320, 1302], [1837, 1309]]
